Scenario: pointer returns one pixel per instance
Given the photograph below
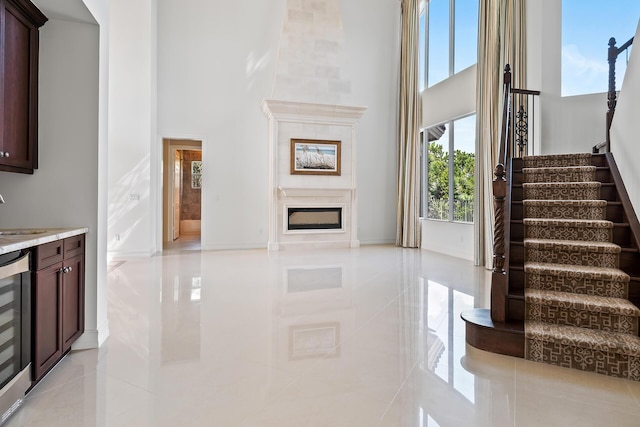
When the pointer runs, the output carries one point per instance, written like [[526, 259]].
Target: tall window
[[447, 157], [587, 27], [448, 38]]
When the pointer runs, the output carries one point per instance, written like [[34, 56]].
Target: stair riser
[[565, 212], [583, 286], [622, 236], [593, 234], [610, 322], [603, 175], [601, 362], [615, 213], [606, 260], [561, 193], [578, 176]]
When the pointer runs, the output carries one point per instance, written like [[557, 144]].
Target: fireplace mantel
[[298, 120], [314, 192], [308, 112]]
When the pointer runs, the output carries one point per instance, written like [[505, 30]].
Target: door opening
[[182, 194]]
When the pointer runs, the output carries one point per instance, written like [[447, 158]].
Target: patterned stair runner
[[577, 314]]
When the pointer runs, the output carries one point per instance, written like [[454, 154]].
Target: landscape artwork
[[315, 157]]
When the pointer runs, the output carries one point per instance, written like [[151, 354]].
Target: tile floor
[[362, 337]]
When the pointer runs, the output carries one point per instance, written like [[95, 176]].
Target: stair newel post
[[499, 279], [499, 282]]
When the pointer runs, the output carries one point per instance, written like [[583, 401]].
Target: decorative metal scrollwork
[[521, 130]]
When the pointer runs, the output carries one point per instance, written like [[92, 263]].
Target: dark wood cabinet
[[58, 301], [19, 23]]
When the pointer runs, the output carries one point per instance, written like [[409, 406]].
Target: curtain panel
[[408, 202]]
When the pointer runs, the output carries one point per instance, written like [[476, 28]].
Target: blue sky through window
[[587, 26]]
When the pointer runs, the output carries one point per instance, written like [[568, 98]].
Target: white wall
[[63, 191], [96, 298], [372, 51], [450, 99], [216, 63], [449, 238], [132, 161], [625, 129]]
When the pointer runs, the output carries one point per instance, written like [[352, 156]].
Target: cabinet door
[[18, 142], [19, 23], [47, 319], [72, 300]]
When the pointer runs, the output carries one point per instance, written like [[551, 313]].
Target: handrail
[[525, 91], [612, 56], [506, 111], [597, 147], [499, 282]]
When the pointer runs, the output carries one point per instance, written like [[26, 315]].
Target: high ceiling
[[67, 10]]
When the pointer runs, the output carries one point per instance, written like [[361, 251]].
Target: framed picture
[[196, 174], [314, 341], [315, 157]]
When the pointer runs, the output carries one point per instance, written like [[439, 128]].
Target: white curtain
[[408, 221], [501, 40]]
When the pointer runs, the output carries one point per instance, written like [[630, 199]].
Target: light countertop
[[9, 242]]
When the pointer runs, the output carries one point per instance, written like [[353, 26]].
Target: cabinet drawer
[[48, 254], [73, 246]]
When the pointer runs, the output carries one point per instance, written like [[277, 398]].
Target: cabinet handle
[[65, 270], [6, 154], [69, 269], [1, 153]]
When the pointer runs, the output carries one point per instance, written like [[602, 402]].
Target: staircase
[[577, 313], [573, 286]]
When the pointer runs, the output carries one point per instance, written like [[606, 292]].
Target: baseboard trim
[[92, 338]]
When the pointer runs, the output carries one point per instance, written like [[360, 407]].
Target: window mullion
[[426, 45], [452, 35], [424, 165], [451, 174]]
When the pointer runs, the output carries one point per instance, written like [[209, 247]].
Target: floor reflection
[[350, 337]]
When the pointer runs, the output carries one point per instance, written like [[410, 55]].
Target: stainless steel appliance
[[15, 331]]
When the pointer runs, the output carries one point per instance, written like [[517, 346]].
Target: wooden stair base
[[497, 337]]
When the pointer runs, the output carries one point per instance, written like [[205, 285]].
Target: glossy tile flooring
[[340, 338]]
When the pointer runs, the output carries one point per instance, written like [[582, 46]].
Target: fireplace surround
[[319, 193]]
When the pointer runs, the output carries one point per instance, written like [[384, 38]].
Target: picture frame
[[314, 341], [196, 174], [315, 157]]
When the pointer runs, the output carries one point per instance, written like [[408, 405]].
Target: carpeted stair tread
[[589, 190], [590, 303], [568, 229], [578, 245], [579, 252], [579, 279], [610, 342], [559, 174], [576, 271], [577, 223], [565, 209], [557, 160]]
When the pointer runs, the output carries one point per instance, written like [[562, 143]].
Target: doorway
[[182, 194]]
